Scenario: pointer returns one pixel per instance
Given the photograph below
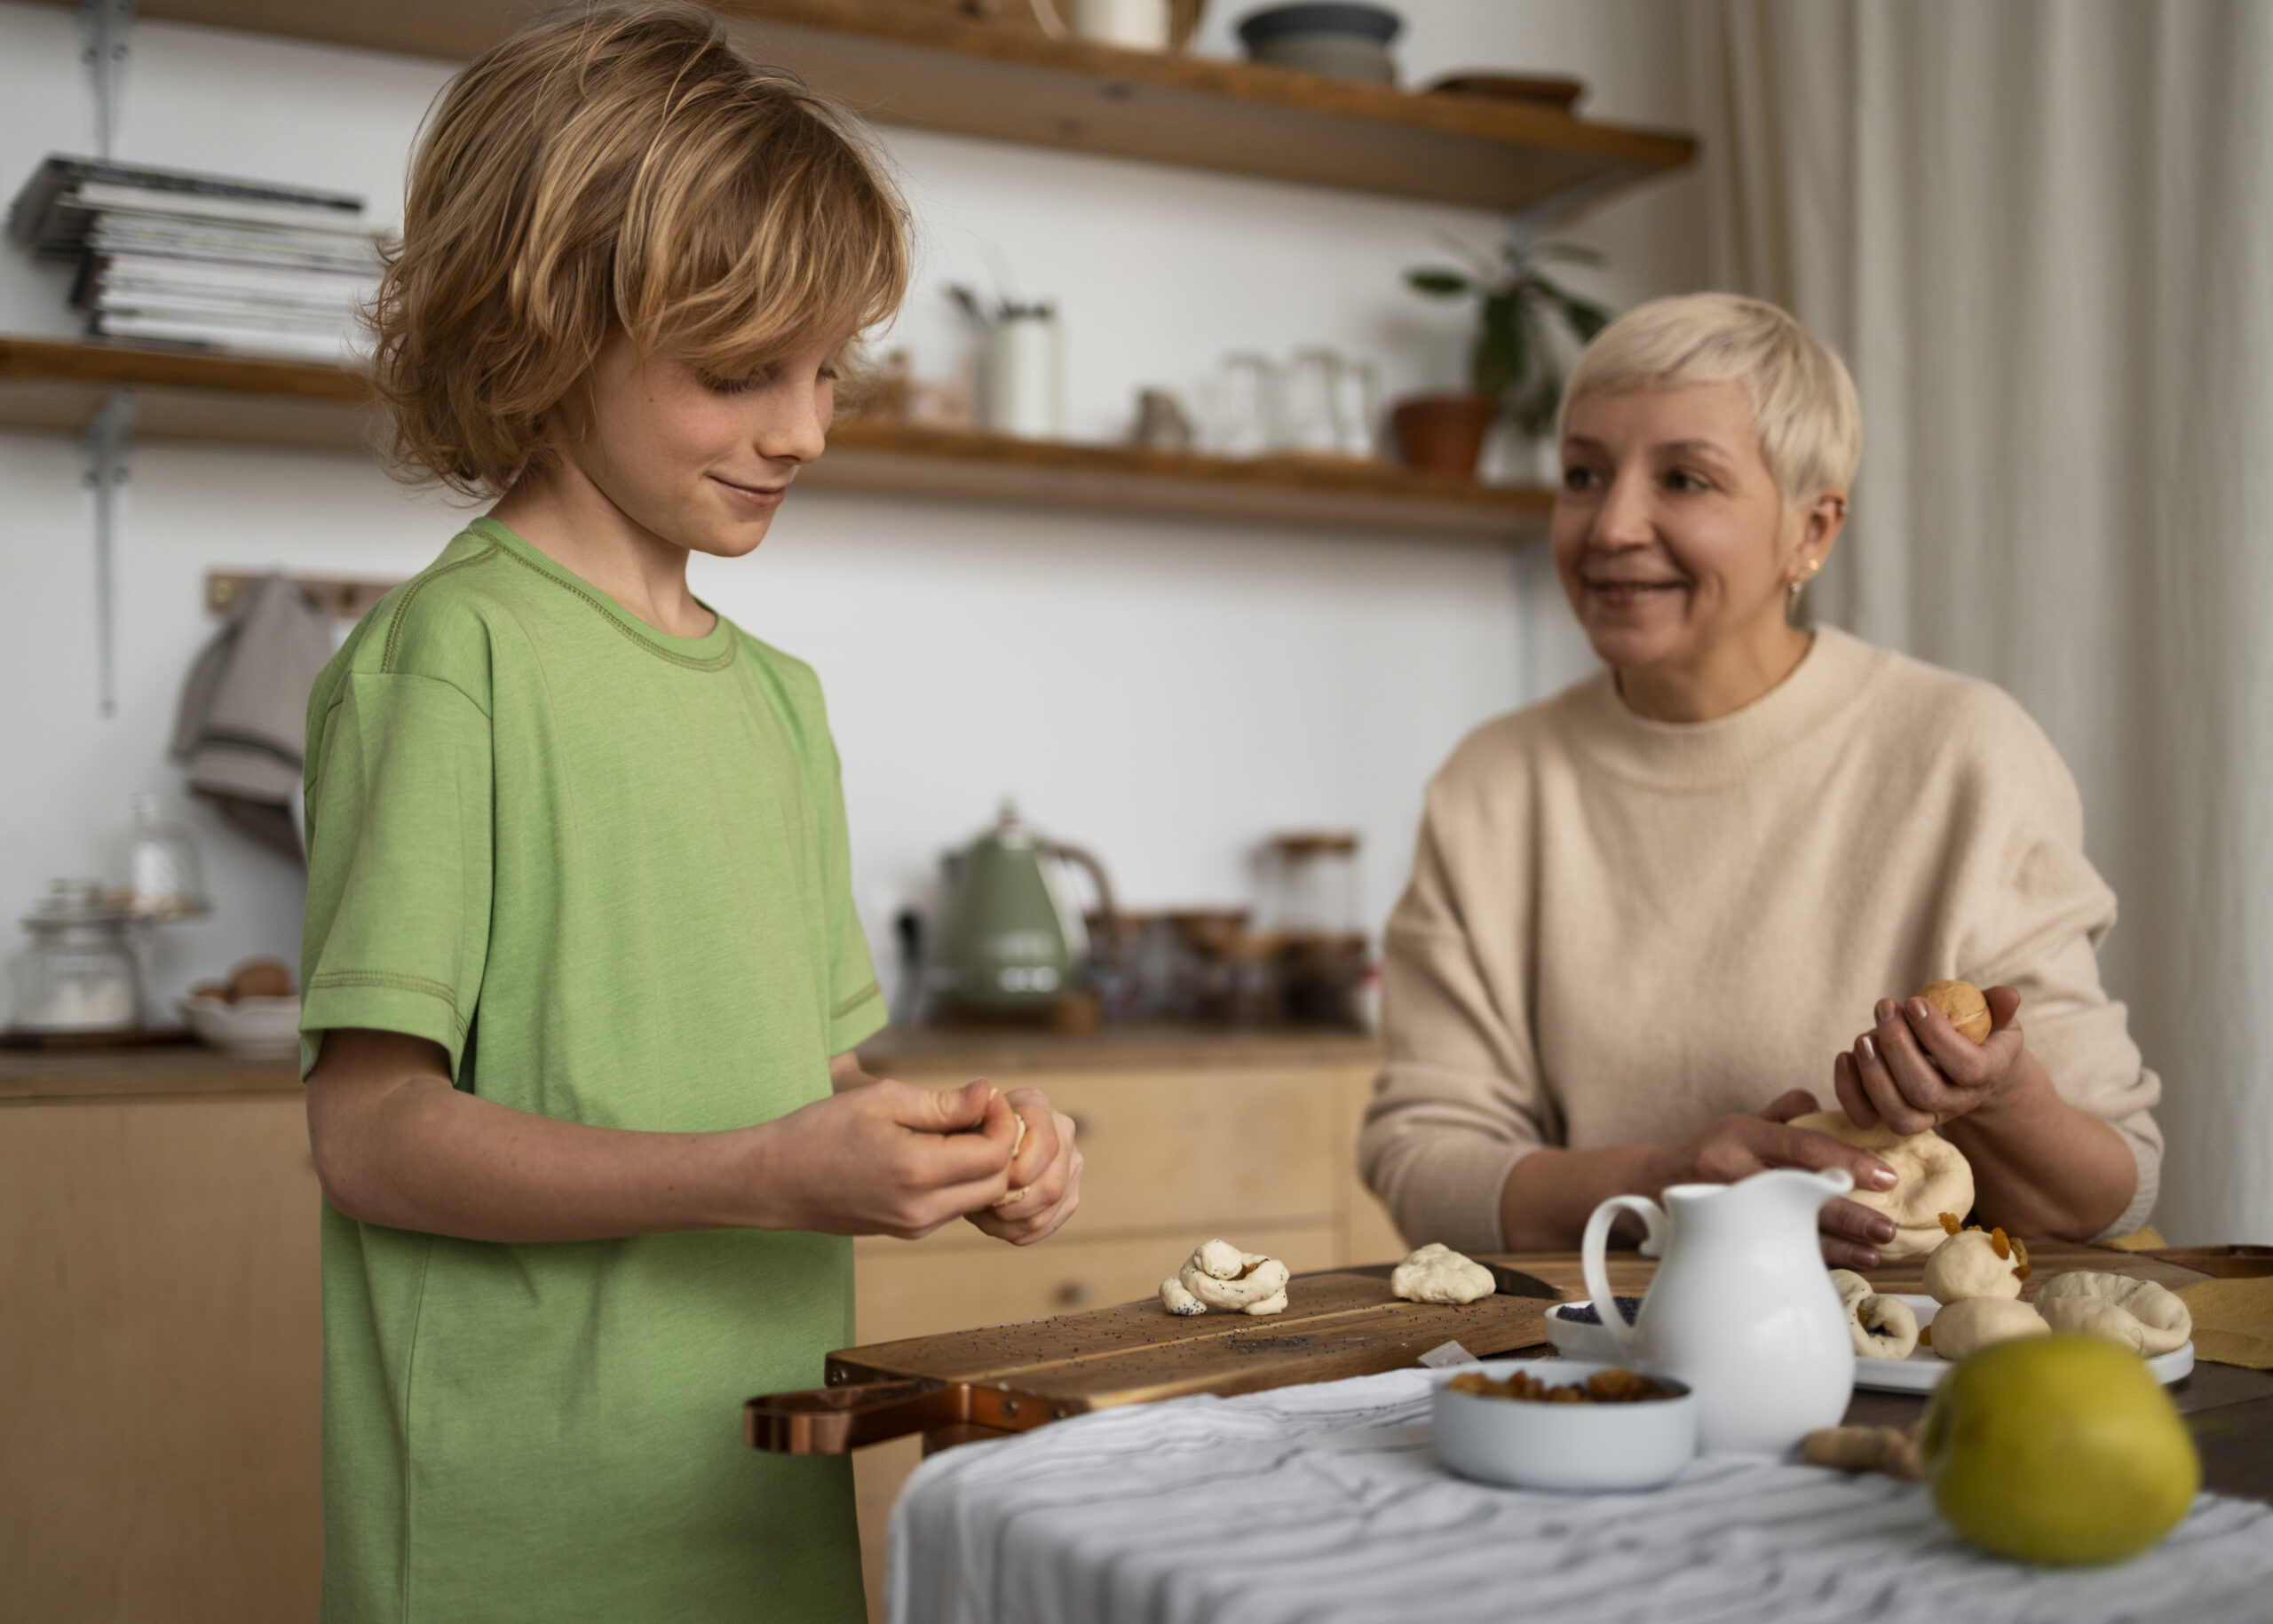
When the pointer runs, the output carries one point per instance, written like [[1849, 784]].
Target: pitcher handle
[[1597, 1276]]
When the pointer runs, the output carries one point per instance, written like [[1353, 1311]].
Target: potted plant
[[1514, 369]]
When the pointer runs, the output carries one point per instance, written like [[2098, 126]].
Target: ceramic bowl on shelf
[[1563, 1448], [1348, 40], [251, 1028]]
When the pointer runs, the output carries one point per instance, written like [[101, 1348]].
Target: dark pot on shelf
[[1441, 433]]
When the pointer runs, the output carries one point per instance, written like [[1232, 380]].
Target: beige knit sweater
[[1618, 930]]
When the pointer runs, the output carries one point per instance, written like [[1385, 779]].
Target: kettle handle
[[1106, 911], [1597, 1276]]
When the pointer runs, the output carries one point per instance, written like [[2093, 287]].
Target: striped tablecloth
[[1326, 1503]]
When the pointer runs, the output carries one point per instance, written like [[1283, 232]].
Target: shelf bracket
[[107, 443], [104, 26], [1557, 208]]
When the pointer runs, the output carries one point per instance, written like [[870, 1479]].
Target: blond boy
[[583, 977]]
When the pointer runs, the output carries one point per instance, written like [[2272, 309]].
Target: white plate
[[1921, 1373], [251, 1028], [1924, 1369]]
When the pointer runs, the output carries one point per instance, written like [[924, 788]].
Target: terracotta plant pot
[[1441, 433]]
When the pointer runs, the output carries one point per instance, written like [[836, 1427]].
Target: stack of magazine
[[205, 261]]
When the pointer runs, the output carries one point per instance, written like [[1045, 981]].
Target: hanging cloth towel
[[243, 722]]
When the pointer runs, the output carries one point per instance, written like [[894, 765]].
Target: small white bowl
[[1568, 1447], [1575, 1339], [251, 1028]]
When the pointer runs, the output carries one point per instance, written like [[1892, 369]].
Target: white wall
[[1167, 693]]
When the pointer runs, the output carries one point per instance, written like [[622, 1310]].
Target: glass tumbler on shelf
[[1356, 409], [1308, 421], [1242, 404], [78, 974]]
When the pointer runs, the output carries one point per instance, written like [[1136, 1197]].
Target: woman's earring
[[1799, 584]]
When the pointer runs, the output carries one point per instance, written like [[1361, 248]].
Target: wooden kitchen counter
[[161, 1339], [981, 1050], [150, 1071]]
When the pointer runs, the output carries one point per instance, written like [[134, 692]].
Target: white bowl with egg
[[251, 1028], [1585, 1448]]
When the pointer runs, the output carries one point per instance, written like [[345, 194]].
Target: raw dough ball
[[1966, 1265], [1882, 1327], [1931, 1177], [1971, 1324], [1436, 1273], [1962, 1003], [1219, 1275], [1013, 1197], [1850, 1287], [2164, 1321]]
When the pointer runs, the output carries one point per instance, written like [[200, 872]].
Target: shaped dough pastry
[[1931, 1177], [1966, 1265], [1436, 1273], [1219, 1275], [1176, 1300], [2097, 1316], [1882, 1327], [1849, 1286], [1971, 1324], [2164, 1321]]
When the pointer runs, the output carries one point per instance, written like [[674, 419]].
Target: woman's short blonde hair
[[617, 169], [1803, 403]]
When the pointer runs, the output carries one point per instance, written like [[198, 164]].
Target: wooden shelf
[[57, 385], [924, 63]]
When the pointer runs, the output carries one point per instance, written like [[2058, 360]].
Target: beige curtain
[[2042, 231]]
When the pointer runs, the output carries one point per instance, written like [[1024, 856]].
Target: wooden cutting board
[[1009, 1378], [1012, 1377]]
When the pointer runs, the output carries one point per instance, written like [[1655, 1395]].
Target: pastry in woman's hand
[[1931, 1177], [1964, 1006]]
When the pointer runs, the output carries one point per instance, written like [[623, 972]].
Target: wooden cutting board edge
[[1389, 1334]]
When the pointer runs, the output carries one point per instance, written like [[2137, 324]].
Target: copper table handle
[[839, 1420]]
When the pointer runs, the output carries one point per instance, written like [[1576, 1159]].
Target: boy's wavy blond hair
[[1803, 403], [617, 167]]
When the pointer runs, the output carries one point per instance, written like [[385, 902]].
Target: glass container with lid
[[163, 877], [78, 973], [1310, 885]]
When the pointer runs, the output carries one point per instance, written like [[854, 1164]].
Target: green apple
[[2061, 1448]]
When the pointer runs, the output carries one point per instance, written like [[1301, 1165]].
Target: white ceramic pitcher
[[1742, 1308]]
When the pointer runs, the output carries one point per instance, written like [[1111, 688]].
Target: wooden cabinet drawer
[[919, 1288]]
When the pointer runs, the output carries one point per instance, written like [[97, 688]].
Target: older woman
[[1647, 916]]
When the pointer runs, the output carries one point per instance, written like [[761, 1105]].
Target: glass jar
[[1310, 885], [163, 877], [78, 973]]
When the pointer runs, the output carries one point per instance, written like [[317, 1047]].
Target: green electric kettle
[[1014, 942]]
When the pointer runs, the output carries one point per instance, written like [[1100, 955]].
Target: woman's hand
[[1045, 1177], [1736, 1147], [1914, 1071]]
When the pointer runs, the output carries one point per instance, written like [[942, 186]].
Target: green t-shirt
[[606, 870]]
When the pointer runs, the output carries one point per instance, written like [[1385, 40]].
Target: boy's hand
[[1045, 1176], [888, 1159]]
